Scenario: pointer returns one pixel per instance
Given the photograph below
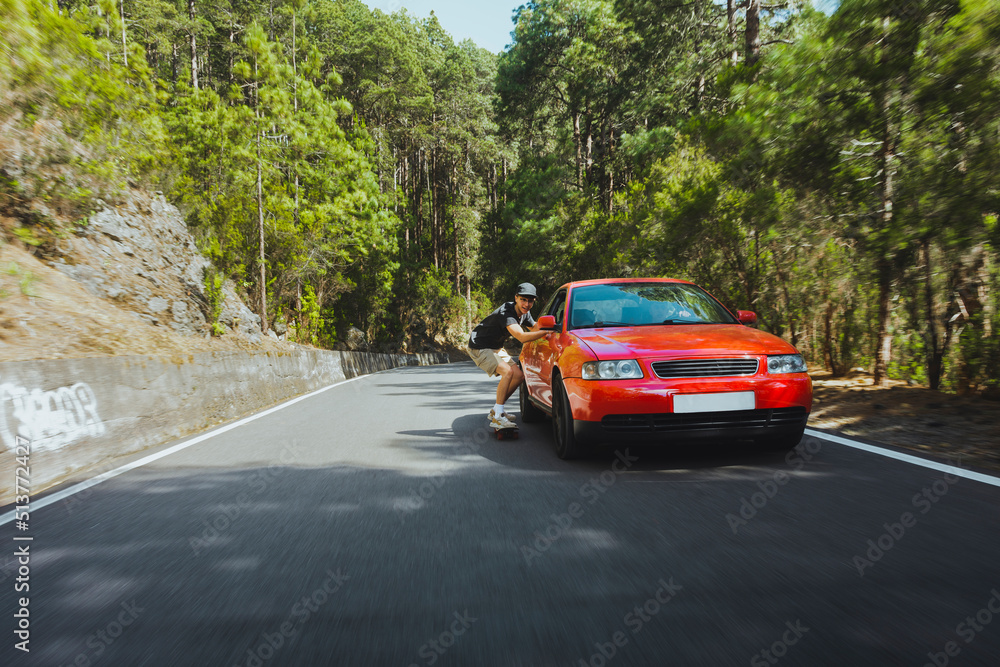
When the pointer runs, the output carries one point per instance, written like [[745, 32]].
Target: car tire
[[567, 447], [530, 414]]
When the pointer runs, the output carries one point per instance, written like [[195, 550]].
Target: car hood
[[681, 340]]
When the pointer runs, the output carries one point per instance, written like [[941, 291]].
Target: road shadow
[[283, 565], [534, 450]]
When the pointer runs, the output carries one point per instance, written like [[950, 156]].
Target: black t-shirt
[[492, 332]]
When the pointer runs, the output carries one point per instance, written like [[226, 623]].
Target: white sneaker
[[501, 421]]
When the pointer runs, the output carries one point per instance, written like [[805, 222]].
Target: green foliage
[[27, 236], [26, 280], [804, 186], [213, 283], [439, 307], [311, 321], [842, 184], [85, 121]]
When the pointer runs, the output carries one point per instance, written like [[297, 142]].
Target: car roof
[[618, 281]]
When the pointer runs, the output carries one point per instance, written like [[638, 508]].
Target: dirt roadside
[[909, 417]]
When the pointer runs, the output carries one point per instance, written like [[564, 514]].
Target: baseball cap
[[526, 289]]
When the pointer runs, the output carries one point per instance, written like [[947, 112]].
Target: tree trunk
[[192, 15], [454, 223], [579, 149], [828, 352], [969, 292], [699, 91], [295, 107], [298, 309], [505, 181], [887, 158], [260, 207], [468, 302], [752, 45], [121, 6], [734, 54], [493, 187], [935, 355], [232, 51], [260, 226], [883, 350], [421, 166], [295, 69], [435, 221], [611, 166]]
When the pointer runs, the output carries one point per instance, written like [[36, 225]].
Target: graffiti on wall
[[49, 419]]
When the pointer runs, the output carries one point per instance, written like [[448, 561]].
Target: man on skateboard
[[486, 348]]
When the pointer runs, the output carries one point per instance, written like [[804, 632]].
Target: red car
[[659, 360]]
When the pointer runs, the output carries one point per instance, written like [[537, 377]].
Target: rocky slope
[[128, 280]]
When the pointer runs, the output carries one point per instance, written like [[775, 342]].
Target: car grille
[[704, 368], [694, 421]]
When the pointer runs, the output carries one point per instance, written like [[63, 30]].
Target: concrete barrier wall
[[85, 414]]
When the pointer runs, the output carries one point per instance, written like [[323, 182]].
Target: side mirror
[[747, 317], [547, 322]]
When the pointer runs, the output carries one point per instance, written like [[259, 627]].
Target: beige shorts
[[488, 360]]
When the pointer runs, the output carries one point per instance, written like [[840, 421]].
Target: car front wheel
[[567, 446]]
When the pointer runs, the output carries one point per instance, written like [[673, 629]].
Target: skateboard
[[507, 433]]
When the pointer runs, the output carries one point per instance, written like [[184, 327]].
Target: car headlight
[[626, 369], [786, 363]]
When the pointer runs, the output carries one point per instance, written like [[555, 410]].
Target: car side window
[[558, 307]]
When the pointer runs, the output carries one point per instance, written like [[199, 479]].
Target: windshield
[[642, 304]]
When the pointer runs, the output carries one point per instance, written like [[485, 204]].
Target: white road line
[[915, 460], [82, 486]]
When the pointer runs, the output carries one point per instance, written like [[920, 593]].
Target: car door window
[[558, 307]]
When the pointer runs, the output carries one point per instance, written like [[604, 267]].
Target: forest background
[[838, 174]]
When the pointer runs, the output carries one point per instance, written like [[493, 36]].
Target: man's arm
[[517, 332]]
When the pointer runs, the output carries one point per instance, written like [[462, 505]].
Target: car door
[[529, 355], [546, 350]]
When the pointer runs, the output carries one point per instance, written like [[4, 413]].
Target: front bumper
[[771, 424], [643, 410]]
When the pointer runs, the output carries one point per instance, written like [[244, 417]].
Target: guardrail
[[82, 414]]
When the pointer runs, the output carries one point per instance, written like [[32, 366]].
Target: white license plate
[[721, 402]]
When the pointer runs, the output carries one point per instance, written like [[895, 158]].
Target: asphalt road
[[379, 523]]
